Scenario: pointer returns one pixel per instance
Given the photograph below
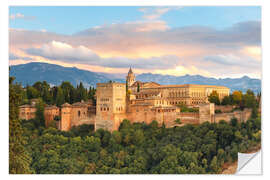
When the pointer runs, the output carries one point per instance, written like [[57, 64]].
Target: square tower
[[111, 105]]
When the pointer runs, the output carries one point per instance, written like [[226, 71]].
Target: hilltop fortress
[[139, 102]]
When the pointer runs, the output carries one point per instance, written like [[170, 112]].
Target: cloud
[[66, 53], [232, 60], [220, 52], [21, 16], [16, 57], [126, 28], [244, 33], [151, 13]]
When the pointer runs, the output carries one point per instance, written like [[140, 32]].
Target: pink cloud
[[164, 49]]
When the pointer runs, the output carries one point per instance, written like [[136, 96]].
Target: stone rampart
[[189, 117], [225, 109], [241, 116]]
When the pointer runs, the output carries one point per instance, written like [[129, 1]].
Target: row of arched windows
[[162, 102], [104, 99], [119, 108], [104, 109], [178, 94], [166, 110], [197, 94]]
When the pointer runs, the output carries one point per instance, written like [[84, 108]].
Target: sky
[[215, 41]]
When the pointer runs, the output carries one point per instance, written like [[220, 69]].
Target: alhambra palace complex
[[143, 102]]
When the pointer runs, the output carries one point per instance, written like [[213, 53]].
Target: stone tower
[[130, 78], [110, 106], [65, 117]]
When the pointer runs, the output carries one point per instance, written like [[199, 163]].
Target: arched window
[[79, 113]]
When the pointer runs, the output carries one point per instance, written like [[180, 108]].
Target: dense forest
[[137, 148]]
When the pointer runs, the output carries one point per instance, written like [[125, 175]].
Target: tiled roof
[[51, 107], [189, 85], [25, 106], [66, 105]]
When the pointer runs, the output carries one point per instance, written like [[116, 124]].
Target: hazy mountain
[[242, 84], [55, 74]]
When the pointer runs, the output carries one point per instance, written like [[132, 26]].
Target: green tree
[[249, 99], [214, 98], [234, 122], [91, 94], [60, 99], [32, 92], [178, 121], [81, 93], [237, 97], [67, 89], [40, 119], [214, 165], [227, 100], [138, 87], [19, 160]]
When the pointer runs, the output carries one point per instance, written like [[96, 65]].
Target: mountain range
[[28, 74]]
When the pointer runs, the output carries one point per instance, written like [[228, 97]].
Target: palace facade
[[138, 102]]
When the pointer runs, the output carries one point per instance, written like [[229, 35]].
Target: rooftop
[[189, 85]]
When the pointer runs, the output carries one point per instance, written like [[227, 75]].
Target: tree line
[[140, 148], [58, 95], [239, 99]]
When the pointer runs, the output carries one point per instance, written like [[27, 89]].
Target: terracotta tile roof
[[188, 85], [26, 106], [147, 92], [66, 105], [51, 107]]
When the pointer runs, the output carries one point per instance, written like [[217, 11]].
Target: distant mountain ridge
[[28, 74], [242, 84], [55, 74]]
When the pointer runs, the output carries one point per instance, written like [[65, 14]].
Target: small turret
[[130, 77]]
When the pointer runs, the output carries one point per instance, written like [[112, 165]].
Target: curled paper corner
[[249, 163]]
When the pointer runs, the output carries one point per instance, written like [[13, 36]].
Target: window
[[79, 113]]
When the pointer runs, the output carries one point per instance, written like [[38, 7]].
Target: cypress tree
[[60, 99], [19, 160]]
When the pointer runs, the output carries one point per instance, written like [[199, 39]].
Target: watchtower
[[111, 105]]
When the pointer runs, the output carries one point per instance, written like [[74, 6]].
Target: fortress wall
[[27, 113], [188, 117], [87, 120], [206, 111], [167, 118], [104, 120], [224, 116], [49, 115], [241, 116], [139, 114], [227, 108], [147, 114], [118, 118], [108, 121], [80, 114], [247, 114]]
